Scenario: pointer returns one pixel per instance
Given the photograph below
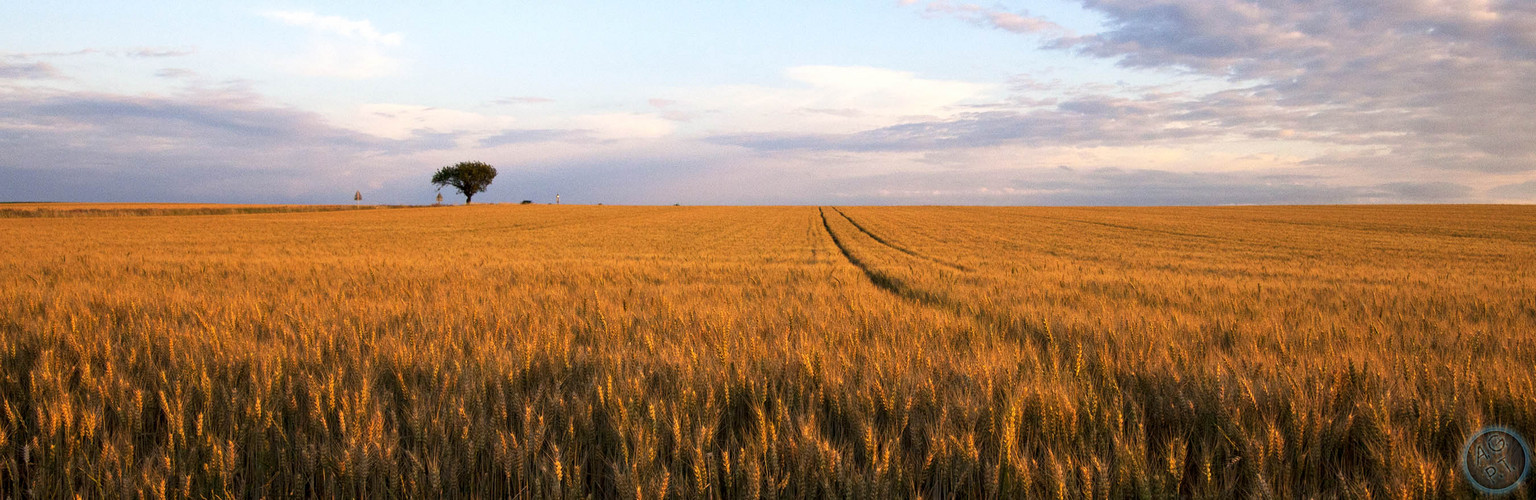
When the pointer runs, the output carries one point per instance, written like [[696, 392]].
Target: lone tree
[[469, 177]]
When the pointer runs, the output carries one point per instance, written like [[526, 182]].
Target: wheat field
[[762, 352]]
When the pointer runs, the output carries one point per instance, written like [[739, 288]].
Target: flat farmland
[[746, 352]]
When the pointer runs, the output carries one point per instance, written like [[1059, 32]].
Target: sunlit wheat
[[767, 352]]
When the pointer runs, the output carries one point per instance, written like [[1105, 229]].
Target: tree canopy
[[468, 177]]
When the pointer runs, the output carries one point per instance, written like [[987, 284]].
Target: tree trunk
[[468, 197]]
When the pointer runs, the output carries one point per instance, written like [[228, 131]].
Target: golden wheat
[[542, 351]]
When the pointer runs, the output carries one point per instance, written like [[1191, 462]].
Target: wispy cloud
[[507, 101], [831, 99], [531, 135], [994, 17], [136, 52], [160, 52], [28, 71], [1127, 187], [336, 25], [175, 73], [403, 121], [340, 47], [619, 126]]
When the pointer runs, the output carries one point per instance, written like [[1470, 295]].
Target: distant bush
[[469, 177]]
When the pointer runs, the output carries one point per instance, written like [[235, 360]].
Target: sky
[[1089, 102]]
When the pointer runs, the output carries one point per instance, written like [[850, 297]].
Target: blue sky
[[1114, 102]]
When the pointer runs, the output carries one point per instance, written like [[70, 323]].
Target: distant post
[[557, 198], [357, 198], [439, 198]]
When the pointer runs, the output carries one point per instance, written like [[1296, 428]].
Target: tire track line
[[900, 248], [1014, 329], [882, 280]]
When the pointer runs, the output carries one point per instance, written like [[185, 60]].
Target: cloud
[[138, 52], [1115, 186], [34, 55], [1439, 83], [1378, 101], [830, 99], [175, 73], [869, 87], [521, 100], [615, 126], [340, 47], [532, 135], [1388, 89], [28, 71], [203, 183], [335, 25], [1422, 192], [207, 121], [1083, 122], [469, 129], [403, 121], [1124, 187], [159, 52], [1017, 22], [200, 145], [1524, 191], [671, 110], [229, 144]]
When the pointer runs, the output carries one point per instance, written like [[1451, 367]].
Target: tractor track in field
[[1009, 328], [896, 247], [881, 280]]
